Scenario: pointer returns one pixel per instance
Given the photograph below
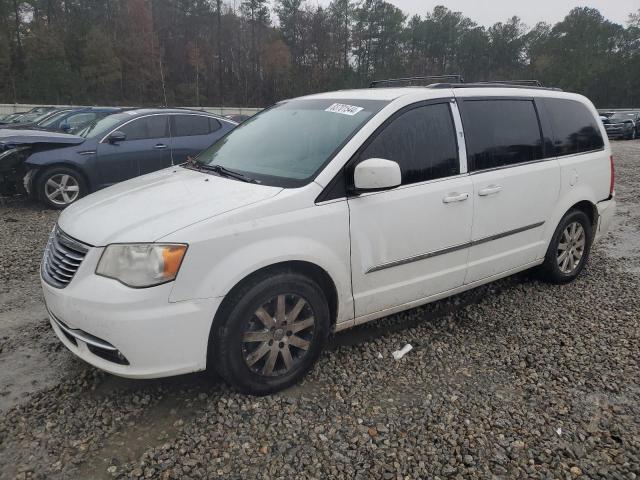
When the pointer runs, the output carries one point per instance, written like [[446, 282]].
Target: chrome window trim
[[168, 114], [569, 155], [461, 141], [453, 248], [133, 120], [410, 185], [515, 165]]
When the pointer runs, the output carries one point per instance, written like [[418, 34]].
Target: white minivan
[[321, 213]]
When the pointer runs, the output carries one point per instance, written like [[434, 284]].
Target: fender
[[263, 235], [243, 262], [577, 194]]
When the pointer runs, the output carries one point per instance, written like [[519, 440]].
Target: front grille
[[62, 257]]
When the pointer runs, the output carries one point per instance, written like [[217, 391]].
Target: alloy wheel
[[62, 189], [279, 335], [571, 248]]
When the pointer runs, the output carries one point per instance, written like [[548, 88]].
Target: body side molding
[[424, 256]]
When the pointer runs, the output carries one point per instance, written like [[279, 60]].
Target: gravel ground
[[514, 379]]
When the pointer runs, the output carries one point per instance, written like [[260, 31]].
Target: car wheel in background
[[271, 332], [569, 248], [60, 186]]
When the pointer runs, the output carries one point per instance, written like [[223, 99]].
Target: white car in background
[[321, 213]]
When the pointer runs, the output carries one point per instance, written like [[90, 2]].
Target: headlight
[[141, 264]]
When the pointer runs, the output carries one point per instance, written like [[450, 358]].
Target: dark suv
[[623, 125], [58, 168]]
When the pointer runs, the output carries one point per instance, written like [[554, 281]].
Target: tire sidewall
[[228, 335], [551, 262], [48, 173]]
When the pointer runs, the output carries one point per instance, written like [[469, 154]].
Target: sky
[[488, 12]]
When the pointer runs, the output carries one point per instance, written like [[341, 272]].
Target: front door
[[412, 242], [516, 185], [146, 148]]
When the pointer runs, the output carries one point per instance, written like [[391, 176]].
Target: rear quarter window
[[574, 127], [501, 132], [190, 125]]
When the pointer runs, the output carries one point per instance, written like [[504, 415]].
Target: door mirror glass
[[117, 136], [377, 174]]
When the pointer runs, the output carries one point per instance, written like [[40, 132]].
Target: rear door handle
[[160, 146], [455, 197], [490, 190]]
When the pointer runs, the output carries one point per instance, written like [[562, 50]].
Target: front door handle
[[490, 190], [455, 197], [160, 146]]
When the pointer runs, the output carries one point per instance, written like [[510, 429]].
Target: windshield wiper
[[220, 170]]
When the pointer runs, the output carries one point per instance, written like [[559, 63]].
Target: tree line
[[253, 52]]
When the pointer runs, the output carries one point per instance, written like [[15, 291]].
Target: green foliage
[[192, 52]]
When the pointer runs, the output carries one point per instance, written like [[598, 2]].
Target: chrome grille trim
[[62, 258], [81, 335]]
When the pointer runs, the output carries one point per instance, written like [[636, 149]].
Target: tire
[[558, 268], [241, 346], [72, 182]]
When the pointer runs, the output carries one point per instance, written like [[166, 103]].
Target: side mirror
[[65, 127], [377, 174], [117, 136]]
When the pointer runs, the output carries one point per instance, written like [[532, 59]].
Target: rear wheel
[[60, 186], [569, 248], [272, 331]]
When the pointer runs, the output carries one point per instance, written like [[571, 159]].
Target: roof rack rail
[[522, 83], [455, 79], [490, 85]]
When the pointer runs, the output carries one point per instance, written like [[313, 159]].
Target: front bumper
[[619, 133], [606, 211], [156, 337]]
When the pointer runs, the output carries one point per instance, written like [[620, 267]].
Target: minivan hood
[[147, 208]]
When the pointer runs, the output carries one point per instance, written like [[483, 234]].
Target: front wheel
[[569, 248], [271, 333], [60, 186]]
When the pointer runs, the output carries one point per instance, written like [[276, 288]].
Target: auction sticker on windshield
[[344, 109]]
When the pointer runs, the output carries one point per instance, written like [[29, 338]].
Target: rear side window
[[422, 141], [144, 128], [189, 125], [80, 118], [501, 133], [574, 127]]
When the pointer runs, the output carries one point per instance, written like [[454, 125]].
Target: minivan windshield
[[289, 143]]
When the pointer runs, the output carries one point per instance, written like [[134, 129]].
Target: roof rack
[[412, 80], [490, 85], [458, 82], [522, 83]]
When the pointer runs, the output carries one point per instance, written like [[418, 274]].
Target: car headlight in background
[[141, 264]]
